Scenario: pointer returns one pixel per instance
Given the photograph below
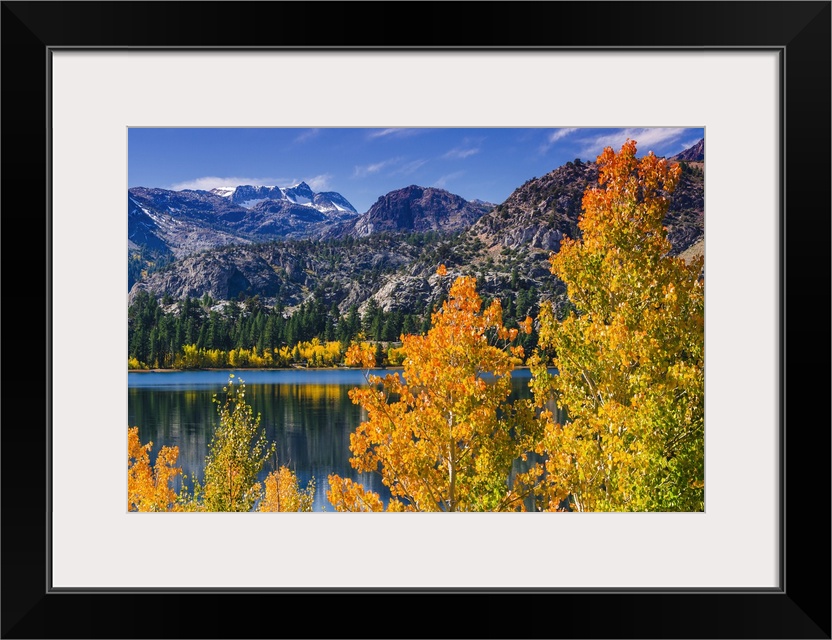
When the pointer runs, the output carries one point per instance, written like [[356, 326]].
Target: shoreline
[[260, 369], [388, 367]]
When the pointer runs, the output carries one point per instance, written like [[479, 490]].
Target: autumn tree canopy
[[442, 434], [630, 356]]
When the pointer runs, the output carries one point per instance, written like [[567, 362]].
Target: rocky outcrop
[[541, 212], [538, 214], [403, 293], [345, 273], [685, 220], [222, 275]]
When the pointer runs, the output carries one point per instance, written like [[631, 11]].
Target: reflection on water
[[307, 413]]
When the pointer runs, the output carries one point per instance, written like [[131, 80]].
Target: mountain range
[[282, 244]]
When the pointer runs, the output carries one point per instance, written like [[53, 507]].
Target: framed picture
[[754, 76]]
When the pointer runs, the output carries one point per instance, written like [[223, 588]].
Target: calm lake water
[[306, 412]]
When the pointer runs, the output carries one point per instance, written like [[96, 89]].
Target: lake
[[307, 412]]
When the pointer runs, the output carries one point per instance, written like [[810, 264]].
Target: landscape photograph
[[416, 320]]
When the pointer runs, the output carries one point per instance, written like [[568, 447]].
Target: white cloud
[[307, 135], [320, 182], [207, 183], [410, 167], [362, 171], [555, 136], [687, 145], [450, 177], [381, 133], [395, 132], [461, 152], [647, 139]]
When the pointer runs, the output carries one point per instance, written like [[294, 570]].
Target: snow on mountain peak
[[248, 196]]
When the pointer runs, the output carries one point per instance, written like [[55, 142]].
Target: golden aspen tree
[[149, 488], [283, 492], [443, 435], [237, 453], [629, 356]]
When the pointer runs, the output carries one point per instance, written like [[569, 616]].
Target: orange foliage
[[283, 493], [346, 495], [630, 358], [449, 440], [149, 488]]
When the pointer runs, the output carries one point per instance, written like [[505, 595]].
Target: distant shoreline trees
[[194, 337]]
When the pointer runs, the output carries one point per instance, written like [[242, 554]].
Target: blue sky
[[363, 164]]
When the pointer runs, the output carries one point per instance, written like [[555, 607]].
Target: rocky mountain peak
[[416, 208], [249, 196], [301, 189], [696, 153]]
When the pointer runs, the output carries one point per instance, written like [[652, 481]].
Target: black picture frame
[[800, 608]]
